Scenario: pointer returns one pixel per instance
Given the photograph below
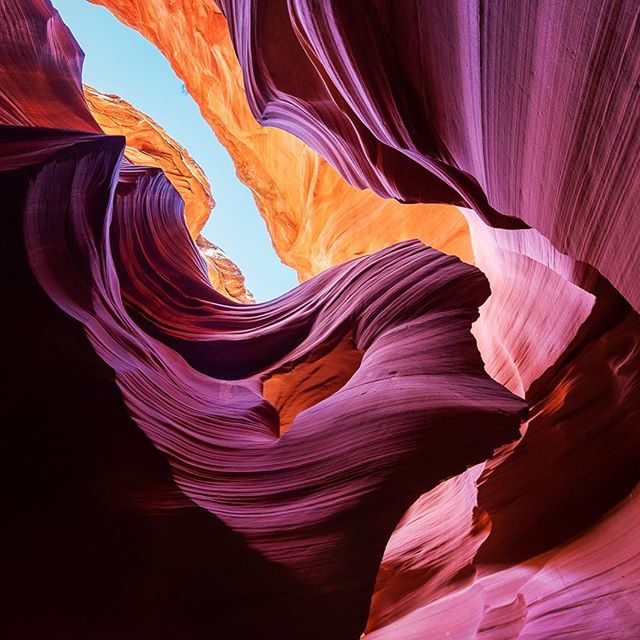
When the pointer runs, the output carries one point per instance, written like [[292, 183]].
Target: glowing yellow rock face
[[149, 144], [314, 217]]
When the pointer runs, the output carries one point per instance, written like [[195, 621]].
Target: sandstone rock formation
[[149, 145], [375, 105], [224, 274], [372, 105], [150, 362], [314, 217], [268, 453], [500, 119], [520, 338]]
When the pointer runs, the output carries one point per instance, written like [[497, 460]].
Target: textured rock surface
[[577, 364], [224, 274], [498, 104], [492, 102], [455, 139], [368, 370], [148, 144], [162, 501], [314, 217]]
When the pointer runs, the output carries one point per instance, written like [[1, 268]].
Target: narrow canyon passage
[[148, 104], [436, 433]]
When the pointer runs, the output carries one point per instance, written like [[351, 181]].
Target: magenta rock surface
[[529, 109], [156, 497], [156, 492], [528, 113]]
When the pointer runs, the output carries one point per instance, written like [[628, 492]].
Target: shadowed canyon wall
[[345, 458]]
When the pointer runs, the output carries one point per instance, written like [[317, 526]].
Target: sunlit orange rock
[[153, 494], [224, 274], [148, 144], [314, 217]]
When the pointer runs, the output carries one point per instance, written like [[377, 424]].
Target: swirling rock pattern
[[493, 103], [528, 112], [509, 139], [160, 495], [148, 144]]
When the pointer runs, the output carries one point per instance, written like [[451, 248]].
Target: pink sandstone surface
[[349, 458]]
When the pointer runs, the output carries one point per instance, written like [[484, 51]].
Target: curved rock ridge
[[475, 95], [315, 218], [432, 552], [224, 273], [39, 85], [157, 497], [529, 110], [577, 364], [148, 144], [308, 500]]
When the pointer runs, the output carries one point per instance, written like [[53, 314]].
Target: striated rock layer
[[148, 144], [489, 102], [317, 466], [529, 114], [504, 138], [157, 496]]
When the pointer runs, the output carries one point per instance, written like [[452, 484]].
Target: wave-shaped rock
[[148, 144], [528, 113], [315, 218], [157, 495]]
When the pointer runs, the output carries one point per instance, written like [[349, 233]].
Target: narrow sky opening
[[119, 60]]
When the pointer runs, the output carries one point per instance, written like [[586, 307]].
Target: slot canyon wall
[[148, 144], [405, 445]]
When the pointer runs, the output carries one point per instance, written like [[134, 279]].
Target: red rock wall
[[492, 103], [369, 367], [152, 464], [315, 218]]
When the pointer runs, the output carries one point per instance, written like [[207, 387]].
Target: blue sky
[[119, 60]]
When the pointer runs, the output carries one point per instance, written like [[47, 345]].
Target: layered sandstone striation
[[326, 464], [149, 145], [224, 273], [422, 115], [158, 496], [489, 103]]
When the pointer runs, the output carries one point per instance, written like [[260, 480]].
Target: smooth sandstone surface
[[322, 465], [535, 323], [526, 111], [315, 218], [172, 505]]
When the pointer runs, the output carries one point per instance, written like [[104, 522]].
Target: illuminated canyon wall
[[368, 453], [315, 218]]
